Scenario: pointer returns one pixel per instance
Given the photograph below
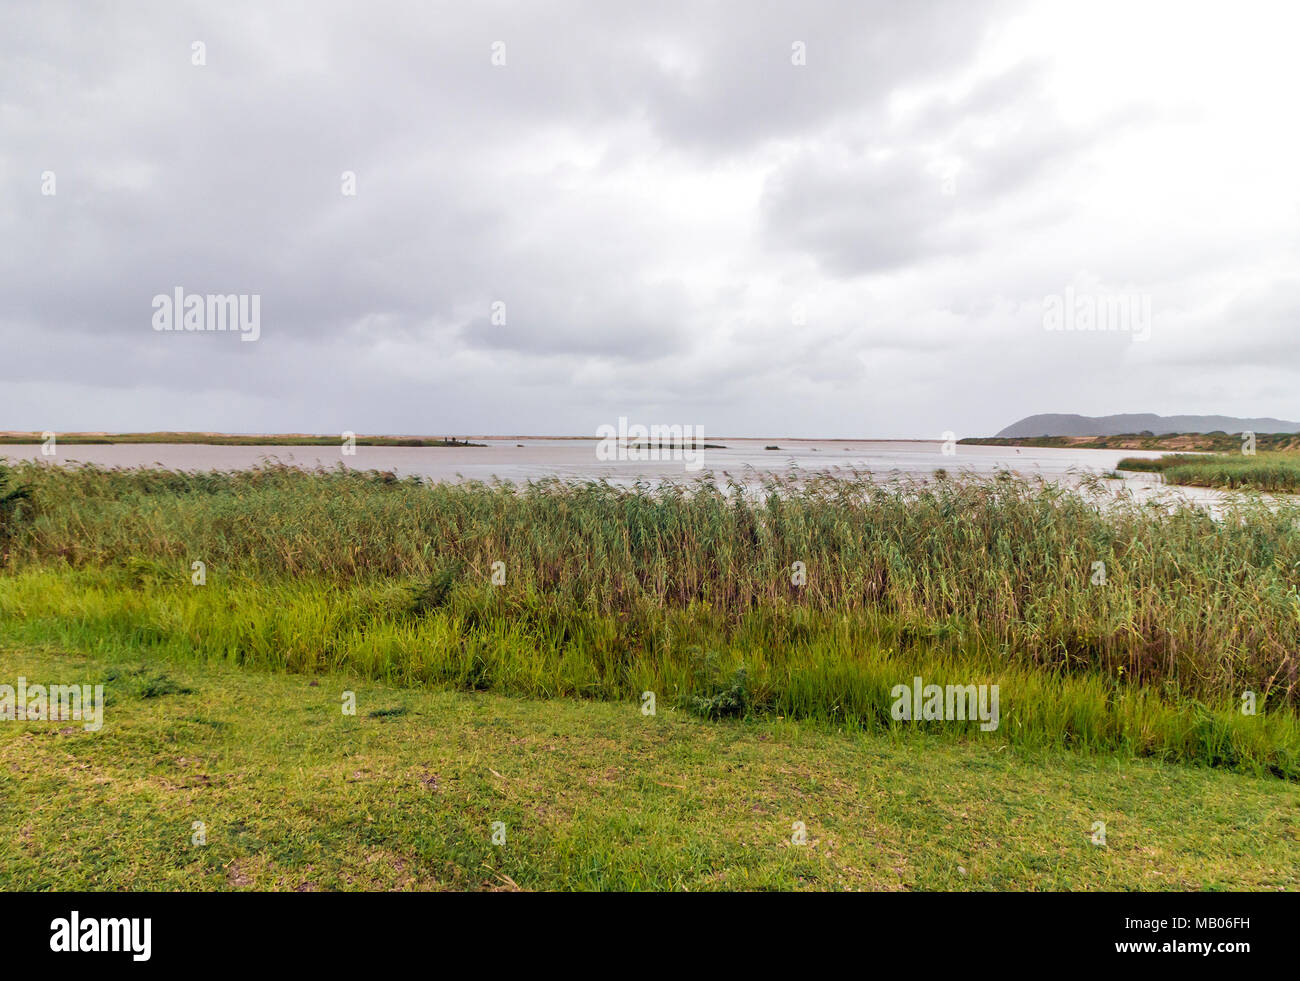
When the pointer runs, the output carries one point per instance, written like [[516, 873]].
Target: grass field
[[294, 795], [502, 640], [593, 592]]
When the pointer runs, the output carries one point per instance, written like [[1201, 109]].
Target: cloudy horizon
[[801, 219]]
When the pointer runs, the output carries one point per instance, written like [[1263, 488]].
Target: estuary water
[[519, 459]]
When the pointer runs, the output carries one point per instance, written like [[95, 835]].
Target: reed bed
[[1265, 472], [1142, 464], [693, 590]]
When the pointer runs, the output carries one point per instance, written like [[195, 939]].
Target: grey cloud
[[927, 188], [647, 187]]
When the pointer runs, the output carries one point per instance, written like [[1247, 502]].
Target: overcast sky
[[681, 222]]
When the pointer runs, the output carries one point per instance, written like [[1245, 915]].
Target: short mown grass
[[291, 794]]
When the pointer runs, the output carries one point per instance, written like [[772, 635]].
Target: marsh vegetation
[[584, 590]]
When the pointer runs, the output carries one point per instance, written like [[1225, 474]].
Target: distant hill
[[1062, 424]]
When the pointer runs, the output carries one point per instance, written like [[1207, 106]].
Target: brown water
[[571, 459]]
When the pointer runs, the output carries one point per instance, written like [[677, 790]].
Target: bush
[[717, 699], [14, 506]]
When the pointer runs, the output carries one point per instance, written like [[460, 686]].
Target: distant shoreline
[[18, 438], [1178, 442], [228, 439], [1172, 442]]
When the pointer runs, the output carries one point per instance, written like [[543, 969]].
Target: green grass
[[694, 593], [294, 795], [1265, 472], [789, 662], [483, 699], [1142, 464], [1273, 473]]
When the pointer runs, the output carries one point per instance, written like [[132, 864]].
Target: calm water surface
[[520, 460]]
